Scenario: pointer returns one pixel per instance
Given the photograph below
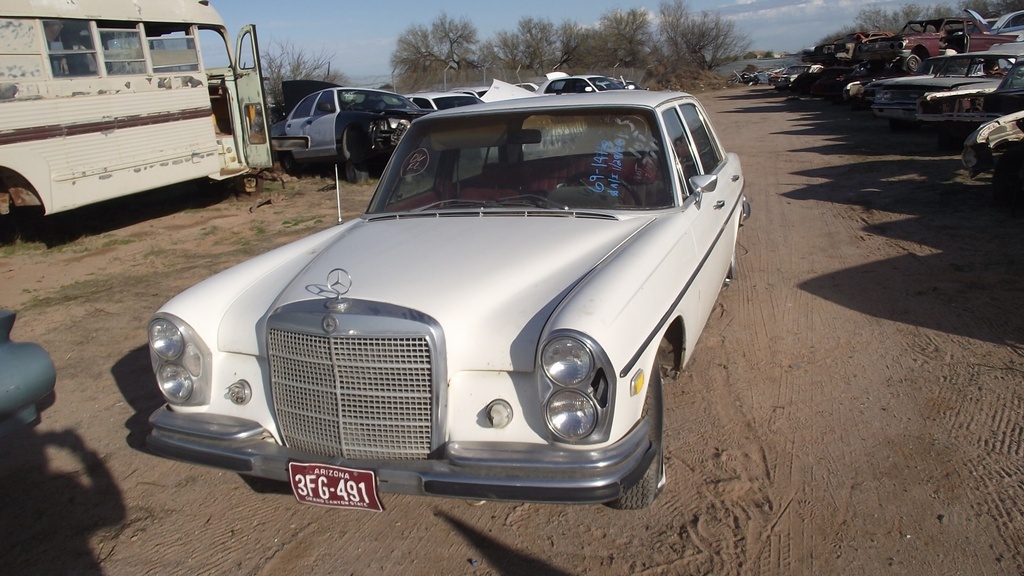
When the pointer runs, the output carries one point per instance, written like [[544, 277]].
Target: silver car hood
[[491, 295]]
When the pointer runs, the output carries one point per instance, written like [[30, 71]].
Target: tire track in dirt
[[824, 483]]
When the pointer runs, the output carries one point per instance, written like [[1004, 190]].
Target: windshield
[[373, 101], [591, 159]]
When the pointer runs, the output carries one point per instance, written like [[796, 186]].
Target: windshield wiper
[[455, 203], [531, 200]]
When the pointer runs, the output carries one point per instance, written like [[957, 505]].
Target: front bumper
[[908, 114], [480, 471]]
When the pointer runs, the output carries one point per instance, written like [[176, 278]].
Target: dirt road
[[855, 405]]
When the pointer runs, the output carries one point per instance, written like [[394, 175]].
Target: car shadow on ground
[[29, 224], [961, 251], [134, 377], [497, 556]]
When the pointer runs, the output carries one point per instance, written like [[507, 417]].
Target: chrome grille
[[353, 396]]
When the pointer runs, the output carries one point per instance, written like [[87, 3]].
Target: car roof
[[436, 95], [635, 98], [1000, 24]]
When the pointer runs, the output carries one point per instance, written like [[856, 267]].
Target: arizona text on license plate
[[334, 486]]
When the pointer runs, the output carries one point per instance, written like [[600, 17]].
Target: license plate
[[334, 486]]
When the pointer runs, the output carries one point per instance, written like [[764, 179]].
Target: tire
[[288, 163], [731, 274], [356, 173], [913, 63], [1008, 179], [642, 494]]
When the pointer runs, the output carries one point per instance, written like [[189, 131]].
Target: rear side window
[[325, 104], [681, 145], [305, 107], [555, 87], [707, 149]]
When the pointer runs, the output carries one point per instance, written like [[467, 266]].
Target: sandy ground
[[855, 405]]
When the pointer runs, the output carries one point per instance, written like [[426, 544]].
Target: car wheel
[[912, 63], [642, 494], [1008, 179], [288, 163], [356, 173], [731, 274]]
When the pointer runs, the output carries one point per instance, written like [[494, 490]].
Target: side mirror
[[325, 107], [704, 182]]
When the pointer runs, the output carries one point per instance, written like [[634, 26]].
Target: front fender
[[241, 295]]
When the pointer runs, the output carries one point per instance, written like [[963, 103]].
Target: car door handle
[[735, 178], [719, 205]]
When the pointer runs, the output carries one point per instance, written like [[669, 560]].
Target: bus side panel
[[101, 147]]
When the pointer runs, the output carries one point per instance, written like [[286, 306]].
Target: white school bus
[[104, 98]]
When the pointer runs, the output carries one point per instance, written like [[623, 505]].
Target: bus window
[[214, 49], [69, 43], [122, 49], [172, 49]]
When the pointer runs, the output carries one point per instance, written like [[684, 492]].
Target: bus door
[[251, 119]]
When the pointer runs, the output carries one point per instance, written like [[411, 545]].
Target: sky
[[362, 35]]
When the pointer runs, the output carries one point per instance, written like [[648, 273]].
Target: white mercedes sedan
[[496, 326]]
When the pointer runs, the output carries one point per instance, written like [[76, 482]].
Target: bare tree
[[422, 53], [282, 60], [570, 40], [626, 37], [539, 43], [534, 46], [506, 50], [672, 19], [710, 40]]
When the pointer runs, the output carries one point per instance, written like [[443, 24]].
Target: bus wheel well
[[671, 350], [15, 190]]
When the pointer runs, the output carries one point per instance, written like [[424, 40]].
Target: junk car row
[[972, 101]]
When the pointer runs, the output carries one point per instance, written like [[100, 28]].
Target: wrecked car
[[1003, 136], [442, 100], [559, 83], [841, 50], [957, 113], [350, 126], [919, 40], [496, 326], [896, 99], [784, 79]]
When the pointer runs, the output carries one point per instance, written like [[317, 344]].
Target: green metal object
[[27, 375]]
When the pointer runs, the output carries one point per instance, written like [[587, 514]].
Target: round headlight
[[567, 361], [175, 382], [165, 339], [571, 414]]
